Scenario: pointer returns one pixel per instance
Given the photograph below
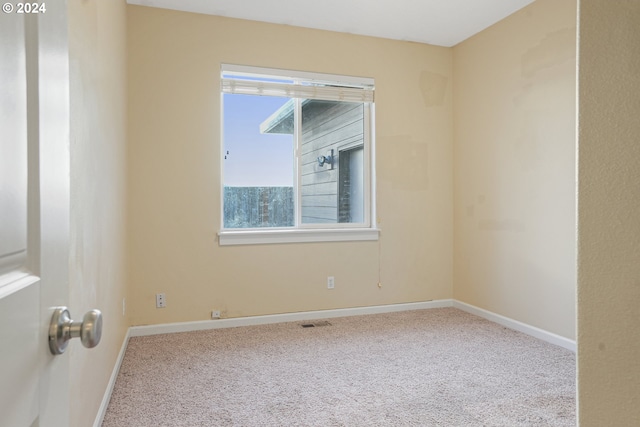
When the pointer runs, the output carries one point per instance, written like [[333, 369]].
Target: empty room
[[320, 213]]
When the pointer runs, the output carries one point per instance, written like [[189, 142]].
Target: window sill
[[259, 237]]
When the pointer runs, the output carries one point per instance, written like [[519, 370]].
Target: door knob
[[62, 329]]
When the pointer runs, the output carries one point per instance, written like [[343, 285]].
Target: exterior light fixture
[[326, 159]]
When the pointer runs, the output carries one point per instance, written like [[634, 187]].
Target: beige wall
[[609, 213], [514, 167], [174, 179], [98, 134]]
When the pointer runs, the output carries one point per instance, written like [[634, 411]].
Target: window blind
[[306, 89]]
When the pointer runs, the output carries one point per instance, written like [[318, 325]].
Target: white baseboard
[[518, 326], [167, 328], [112, 382], [140, 331]]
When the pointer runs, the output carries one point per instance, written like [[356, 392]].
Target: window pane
[[351, 185], [258, 161], [332, 176]]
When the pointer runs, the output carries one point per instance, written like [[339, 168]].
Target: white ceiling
[[438, 22]]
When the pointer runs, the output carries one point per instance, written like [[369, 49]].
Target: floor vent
[[314, 324]]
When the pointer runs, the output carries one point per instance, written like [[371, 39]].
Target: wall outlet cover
[[161, 301], [331, 282]]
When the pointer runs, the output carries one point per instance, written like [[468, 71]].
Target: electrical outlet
[[331, 282], [160, 301], [215, 314]]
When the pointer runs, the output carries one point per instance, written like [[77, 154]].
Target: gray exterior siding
[[326, 125]]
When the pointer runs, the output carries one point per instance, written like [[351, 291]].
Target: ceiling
[[438, 22]]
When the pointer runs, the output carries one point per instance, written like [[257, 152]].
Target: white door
[[34, 217]]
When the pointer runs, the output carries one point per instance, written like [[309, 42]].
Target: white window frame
[[352, 88]]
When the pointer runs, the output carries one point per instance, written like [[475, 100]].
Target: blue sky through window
[[254, 159]]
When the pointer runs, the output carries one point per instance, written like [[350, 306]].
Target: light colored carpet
[[437, 367]]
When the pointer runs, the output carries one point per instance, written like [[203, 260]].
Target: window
[[297, 152]]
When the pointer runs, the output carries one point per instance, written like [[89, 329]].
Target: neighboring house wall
[[328, 126], [514, 167]]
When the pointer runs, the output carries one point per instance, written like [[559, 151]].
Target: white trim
[[112, 382], [167, 328], [547, 336], [371, 182], [257, 237]]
